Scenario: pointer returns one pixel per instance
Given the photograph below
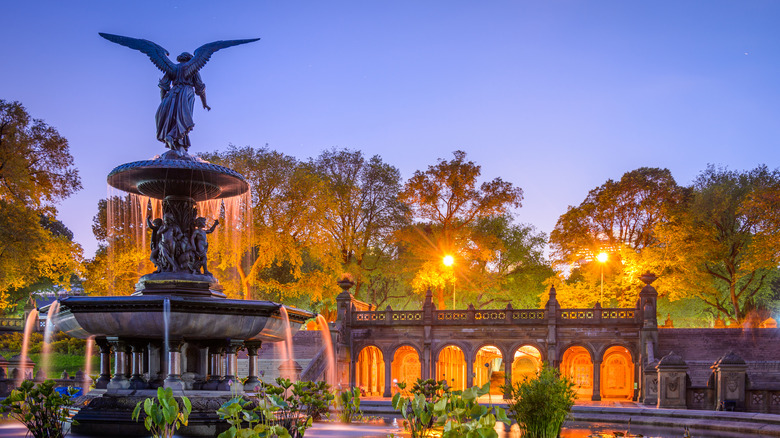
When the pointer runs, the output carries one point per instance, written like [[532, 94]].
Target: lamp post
[[448, 262], [602, 257]]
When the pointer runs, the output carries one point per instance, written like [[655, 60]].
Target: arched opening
[[489, 367], [451, 366], [617, 374], [578, 366], [526, 363], [405, 367], [370, 372]]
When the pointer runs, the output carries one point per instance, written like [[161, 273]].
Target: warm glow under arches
[[405, 367], [617, 374], [526, 363], [578, 366], [489, 367], [451, 366], [370, 371]]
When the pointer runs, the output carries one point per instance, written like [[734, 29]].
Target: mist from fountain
[[330, 372], [29, 325], [287, 351], [47, 335]]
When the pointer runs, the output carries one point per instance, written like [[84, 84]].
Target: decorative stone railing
[[11, 324], [494, 316]]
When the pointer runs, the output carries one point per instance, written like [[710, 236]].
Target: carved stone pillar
[[507, 380], [254, 365], [730, 376], [388, 376], [105, 364], [137, 366], [156, 370], [596, 381], [469, 371], [231, 367], [215, 368], [173, 380], [672, 382], [650, 384], [120, 380]]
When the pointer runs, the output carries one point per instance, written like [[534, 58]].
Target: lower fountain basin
[[191, 318]]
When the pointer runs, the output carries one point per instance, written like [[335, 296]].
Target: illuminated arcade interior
[[617, 369]]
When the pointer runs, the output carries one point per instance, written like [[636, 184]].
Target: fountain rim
[[89, 304]]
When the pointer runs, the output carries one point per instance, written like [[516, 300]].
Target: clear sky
[[554, 96]]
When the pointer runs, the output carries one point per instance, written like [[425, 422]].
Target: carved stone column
[[120, 380], [507, 380], [173, 380], [156, 369], [254, 365], [215, 368], [596, 381], [231, 367], [105, 364], [388, 376], [672, 382], [650, 384], [469, 370], [137, 366]]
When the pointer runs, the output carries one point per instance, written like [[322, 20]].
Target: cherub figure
[[155, 243], [169, 234], [178, 86], [200, 244]]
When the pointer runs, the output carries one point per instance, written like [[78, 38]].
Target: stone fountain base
[[110, 414]]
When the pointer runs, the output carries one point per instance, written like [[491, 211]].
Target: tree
[[362, 208], [36, 172], [723, 240], [620, 218], [447, 203], [288, 255]]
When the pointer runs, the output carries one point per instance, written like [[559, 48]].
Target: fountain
[[177, 330]]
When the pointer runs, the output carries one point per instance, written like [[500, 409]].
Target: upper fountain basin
[[191, 318], [163, 177]]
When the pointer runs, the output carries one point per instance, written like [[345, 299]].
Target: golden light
[[602, 257], [448, 260]]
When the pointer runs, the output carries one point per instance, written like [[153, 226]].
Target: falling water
[[330, 374], [287, 351], [47, 334], [88, 364], [166, 325], [29, 325]]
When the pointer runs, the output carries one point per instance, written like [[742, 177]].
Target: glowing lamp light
[[448, 260], [602, 257]]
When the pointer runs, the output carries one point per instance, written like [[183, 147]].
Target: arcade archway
[[489, 367], [451, 366], [617, 374], [370, 371], [526, 363], [405, 367], [578, 366]]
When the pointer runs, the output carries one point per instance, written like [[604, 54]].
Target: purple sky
[[555, 97]]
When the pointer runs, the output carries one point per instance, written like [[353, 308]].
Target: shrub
[[541, 405], [348, 403], [163, 415], [40, 408]]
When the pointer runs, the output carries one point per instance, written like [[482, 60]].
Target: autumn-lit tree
[[36, 172], [447, 201], [288, 255], [362, 209], [620, 218], [723, 242]]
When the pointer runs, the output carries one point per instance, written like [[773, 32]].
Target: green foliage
[[348, 404], [433, 410], [40, 408], [163, 416], [285, 409], [541, 405]]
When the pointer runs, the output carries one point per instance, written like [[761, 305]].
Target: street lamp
[[602, 257], [448, 262]]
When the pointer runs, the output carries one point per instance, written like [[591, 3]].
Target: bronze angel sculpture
[[178, 86]]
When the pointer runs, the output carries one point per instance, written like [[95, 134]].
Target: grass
[[60, 362]]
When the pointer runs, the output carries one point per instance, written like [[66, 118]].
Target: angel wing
[[204, 52], [157, 54]]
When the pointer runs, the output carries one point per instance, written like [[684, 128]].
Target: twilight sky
[[554, 96]]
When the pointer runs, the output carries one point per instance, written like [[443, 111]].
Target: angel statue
[[178, 87]]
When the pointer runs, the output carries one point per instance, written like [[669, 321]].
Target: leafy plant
[[541, 405], [242, 415], [40, 408], [163, 416], [348, 403], [417, 410]]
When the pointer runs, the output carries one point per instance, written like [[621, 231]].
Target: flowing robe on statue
[[174, 115]]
